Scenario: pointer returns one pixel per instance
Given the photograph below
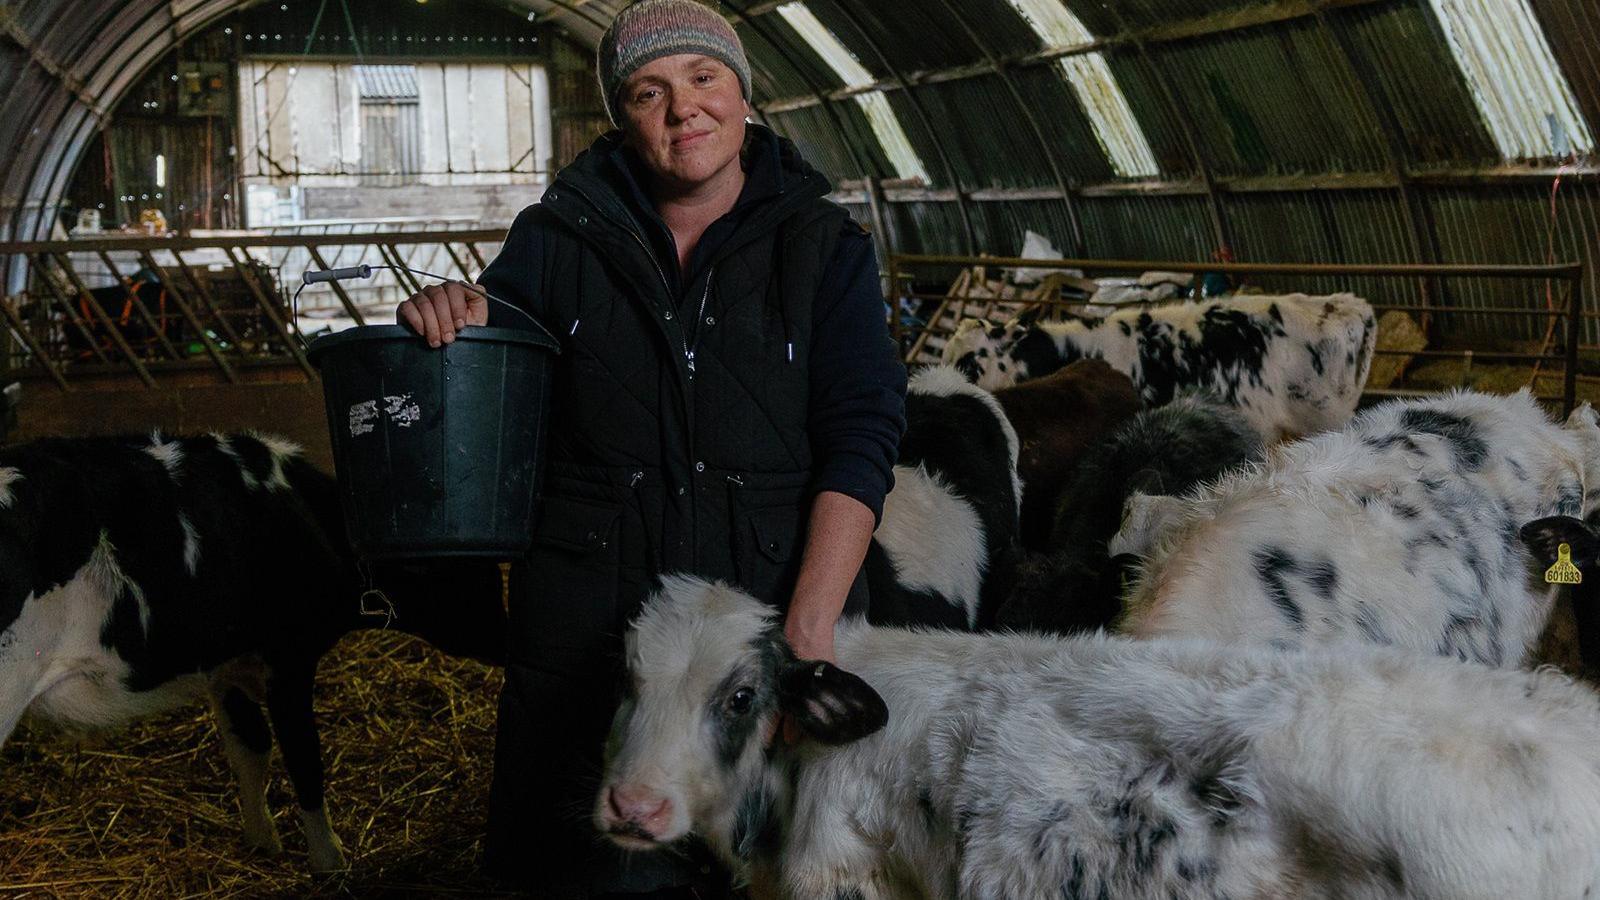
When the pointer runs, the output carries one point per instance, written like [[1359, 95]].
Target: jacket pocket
[[767, 552]]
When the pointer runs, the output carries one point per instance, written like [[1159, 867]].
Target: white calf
[[1020, 767], [1401, 529]]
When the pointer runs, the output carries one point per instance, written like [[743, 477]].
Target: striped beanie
[[651, 29]]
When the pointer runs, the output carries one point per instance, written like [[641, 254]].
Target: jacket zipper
[[688, 351], [666, 289]]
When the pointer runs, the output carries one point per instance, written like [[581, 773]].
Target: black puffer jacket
[[691, 423]]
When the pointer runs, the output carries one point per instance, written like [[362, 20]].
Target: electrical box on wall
[[204, 89]]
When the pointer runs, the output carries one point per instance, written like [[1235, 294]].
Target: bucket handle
[[365, 271]]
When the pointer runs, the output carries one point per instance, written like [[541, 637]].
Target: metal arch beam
[[1068, 197], [12, 29], [113, 77], [53, 161], [1204, 27], [1219, 217], [827, 104], [1425, 245], [843, 7]]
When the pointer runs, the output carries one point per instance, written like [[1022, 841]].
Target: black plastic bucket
[[438, 450]]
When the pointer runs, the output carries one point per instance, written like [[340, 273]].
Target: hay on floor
[[152, 811]]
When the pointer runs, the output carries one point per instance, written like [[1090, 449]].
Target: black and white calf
[[944, 547], [1401, 529], [1023, 767], [1294, 364], [1077, 585], [139, 574]]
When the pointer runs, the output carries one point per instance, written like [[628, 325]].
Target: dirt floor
[[408, 738]]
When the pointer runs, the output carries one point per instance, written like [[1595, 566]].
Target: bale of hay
[[1396, 331]]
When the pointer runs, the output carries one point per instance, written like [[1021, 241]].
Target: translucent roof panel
[[896, 146], [1115, 127], [1525, 101]]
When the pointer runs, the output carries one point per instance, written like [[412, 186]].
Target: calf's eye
[[739, 702]]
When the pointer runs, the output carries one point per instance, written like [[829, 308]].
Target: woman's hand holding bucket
[[441, 310]]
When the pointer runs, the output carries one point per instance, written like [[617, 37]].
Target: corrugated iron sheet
[[387, 82], [1521, 94], [1282, 99]]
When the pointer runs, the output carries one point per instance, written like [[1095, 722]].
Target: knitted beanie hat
[[651, 29]]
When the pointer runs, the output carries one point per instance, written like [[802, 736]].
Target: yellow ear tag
[[1563, 572]]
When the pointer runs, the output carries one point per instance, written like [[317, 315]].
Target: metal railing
[[906, 271], [146, 305]]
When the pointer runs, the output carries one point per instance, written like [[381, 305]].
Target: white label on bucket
[[363, 417], [401, 410]]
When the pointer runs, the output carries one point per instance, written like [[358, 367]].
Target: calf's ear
[[1544, 538], [829, 704], [1029, 318]]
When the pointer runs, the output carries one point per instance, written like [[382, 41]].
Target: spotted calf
[[943, 765], [137, 575], [945, 545], [1401, 529], [1294, 364]]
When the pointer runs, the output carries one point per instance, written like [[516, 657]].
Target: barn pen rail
[[909, 280], [209, 308]]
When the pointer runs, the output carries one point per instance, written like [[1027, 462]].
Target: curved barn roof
[[1305, 130]]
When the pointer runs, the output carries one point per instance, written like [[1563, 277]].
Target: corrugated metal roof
[[1254, 113], [1521, 93], [387, 82], [1115, 127], [880, 115]]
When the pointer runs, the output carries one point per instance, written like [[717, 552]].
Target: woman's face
[[684, 116]]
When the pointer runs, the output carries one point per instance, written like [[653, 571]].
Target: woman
[[728, 403]]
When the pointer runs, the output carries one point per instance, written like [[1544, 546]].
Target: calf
[[1025, 767], [1294, 364], [1401, 529], [1057, 418], [142, 574], [944, 547], [1077, 585]]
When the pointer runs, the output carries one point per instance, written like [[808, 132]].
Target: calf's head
[[981, 351], [692, 746]]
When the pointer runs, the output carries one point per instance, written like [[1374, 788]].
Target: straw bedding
[[152, 811]]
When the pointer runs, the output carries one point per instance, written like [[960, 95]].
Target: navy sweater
[[858, 384]]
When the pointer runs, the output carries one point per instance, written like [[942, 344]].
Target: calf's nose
[[640, 805]]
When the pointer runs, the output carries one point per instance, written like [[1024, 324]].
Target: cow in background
[[1295, 365], [944, 547], [1077, 584], [1057, 419], [140, 574]]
